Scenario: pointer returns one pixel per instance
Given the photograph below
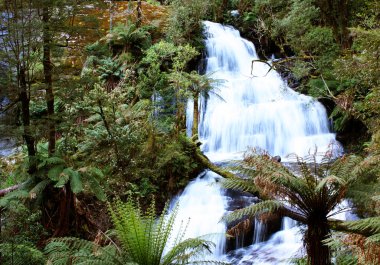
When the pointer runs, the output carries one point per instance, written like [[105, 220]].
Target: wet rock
[[277, 158]]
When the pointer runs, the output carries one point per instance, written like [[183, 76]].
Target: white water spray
[[251, 110]]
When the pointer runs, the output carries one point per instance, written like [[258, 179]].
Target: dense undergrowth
[[115, 126]]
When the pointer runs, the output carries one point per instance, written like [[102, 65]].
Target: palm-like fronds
[[308, 195], [250, 211], [70, 250], [143, 240]]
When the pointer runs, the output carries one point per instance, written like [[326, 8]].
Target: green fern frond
[[14, 195], [347, 167], [250, 211], [329, 181], [239, 184], [39, 188], [55, 172], [190, 247], [371, 225], [97, 189], [69, 250]]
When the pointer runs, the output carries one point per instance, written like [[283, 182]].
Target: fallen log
[[9, 189]]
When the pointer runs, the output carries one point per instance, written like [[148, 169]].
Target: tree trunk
[[317, 231], [65, 211], [25, 116], [335, 13], [139, 14], [194, 129], [48, 72]]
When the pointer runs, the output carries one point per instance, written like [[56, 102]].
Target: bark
[[194, 129], [48, 73], [10, 189], [139, 14], [335, 13], [202, 159], [110, 134], [317, 231], [25, 116], [65, 211]]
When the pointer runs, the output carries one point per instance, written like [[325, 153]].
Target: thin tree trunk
[[108, 129], [194, 129], [10, 189], [25, 116], [139, 13], [335, 13], [48, 72]]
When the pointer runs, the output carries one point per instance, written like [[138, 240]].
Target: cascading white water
[[201, 206], [257, 110]]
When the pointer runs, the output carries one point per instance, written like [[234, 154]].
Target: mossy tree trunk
[[194, 129], [48, 73]]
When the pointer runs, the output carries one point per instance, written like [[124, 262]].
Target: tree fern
[[310, 195]]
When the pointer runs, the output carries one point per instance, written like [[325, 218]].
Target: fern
[[17, 254], [143, 239], [269, 206]]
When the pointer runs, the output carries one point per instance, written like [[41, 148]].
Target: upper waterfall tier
[[257, 110]]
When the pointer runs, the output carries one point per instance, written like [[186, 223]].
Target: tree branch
[[11, 188]]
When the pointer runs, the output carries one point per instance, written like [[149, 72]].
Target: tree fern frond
[[328, 181], [76, 182], [39, 188], [14, 195], [346, 167], [55, 172], [78, 251], [239, 184], [268, 206], [190, 247], [371, 225]]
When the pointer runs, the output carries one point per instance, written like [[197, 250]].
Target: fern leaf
[[328, 181], [76, 182], [55, 172], [53, 160], [250, 211], [36, 190]]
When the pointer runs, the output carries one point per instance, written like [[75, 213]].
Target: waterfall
[[257, 110], [201, 206], [249, 110]]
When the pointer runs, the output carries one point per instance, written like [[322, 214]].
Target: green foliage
[[342, 253], [20, 233], [97, 49], [184, 23], [17, 254], [130, 38], [143, 239], [308, 197]]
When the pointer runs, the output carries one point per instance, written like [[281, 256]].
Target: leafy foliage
[[143, 240], [309, 197]]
